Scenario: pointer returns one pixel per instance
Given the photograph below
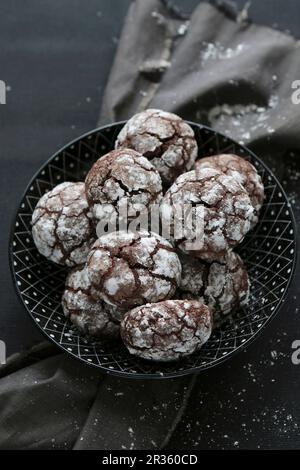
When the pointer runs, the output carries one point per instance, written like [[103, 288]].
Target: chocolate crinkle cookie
[[128, 269], [222, 286], [91, 317], [162, 137], [213, 210], [62, 225], [168, 330], [119, 175], [243, 172]]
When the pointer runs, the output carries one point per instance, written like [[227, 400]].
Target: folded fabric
[[231, 75], [58, 403]]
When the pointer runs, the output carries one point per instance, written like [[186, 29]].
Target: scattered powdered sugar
[[159, 18], [183, 28], [242, 120], [216, 51]]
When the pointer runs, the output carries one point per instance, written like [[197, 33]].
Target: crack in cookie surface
[[118, 175], [128, 269], [91, 316], [243, 172], [223, 286], [168, 330], [162, 137], [62, 225], [215, 200]]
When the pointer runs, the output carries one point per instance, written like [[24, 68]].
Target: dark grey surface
[[56, 57]]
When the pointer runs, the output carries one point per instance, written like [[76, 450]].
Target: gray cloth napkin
[[230, 75], [55, 402], [226, 73]]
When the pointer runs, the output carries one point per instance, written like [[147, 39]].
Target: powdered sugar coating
[[128, 269], [223, 286], [243, 172], [217, 204], [62, 225], [90, 316], [162, 137], [166, 331], [193, 277], [118, 175]]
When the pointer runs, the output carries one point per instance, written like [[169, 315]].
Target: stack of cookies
[[161, 291]]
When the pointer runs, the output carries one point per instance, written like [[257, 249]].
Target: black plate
[[269, 252]]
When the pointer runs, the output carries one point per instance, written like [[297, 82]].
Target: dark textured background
[[55, 58]]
